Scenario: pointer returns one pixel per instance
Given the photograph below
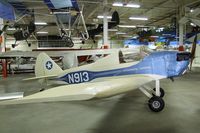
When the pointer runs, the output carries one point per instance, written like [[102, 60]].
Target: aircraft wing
[[60, 4], [87, 91], [11, 9], [9, 14], [64, 5], [78, 52]]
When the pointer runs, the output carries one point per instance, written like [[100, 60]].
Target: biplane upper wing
[[12, 9], [63, 6], [6, 10]]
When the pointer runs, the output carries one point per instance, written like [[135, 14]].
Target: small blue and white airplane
[[107, 77]]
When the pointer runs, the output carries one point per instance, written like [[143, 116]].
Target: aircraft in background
[[14, 11], [115, 20], [108, 76], [68, 16], [67, 13]]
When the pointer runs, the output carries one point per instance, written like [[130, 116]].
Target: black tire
[[162, 92], [156, 104]]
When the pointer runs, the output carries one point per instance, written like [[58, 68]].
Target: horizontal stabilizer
[[14, 95], [40, 77]]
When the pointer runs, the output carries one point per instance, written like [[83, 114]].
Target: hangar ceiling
[[158, 12]]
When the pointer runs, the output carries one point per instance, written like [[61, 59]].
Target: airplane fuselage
[[166, 64]]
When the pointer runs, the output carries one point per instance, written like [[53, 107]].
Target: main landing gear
[[156, 102]]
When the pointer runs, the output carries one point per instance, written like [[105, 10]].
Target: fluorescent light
[[127, 26], [57, 12], [160, 29], [143, 26], [114, 30], [127, 36], [108, 17], [118, 4], [154, 36], [120, 33], [68, 29], [11, 29], [98, 35], [132, 5], [42, 32], [40, 23], [191, 10], [192, 24], [138, 18]]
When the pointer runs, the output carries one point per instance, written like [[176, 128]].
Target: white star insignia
[[49, 65]]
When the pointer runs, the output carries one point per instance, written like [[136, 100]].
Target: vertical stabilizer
[[45, 66]]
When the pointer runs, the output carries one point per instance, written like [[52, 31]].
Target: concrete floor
[[121, 114]]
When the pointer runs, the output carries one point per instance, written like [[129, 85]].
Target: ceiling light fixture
[[132, 5], [120, 33], [192, 24], [120, 4], [127, 36], [98, 35], [138, 18], [68, 29], [11, 29], [42, 32], [60, 12], [127, 26], [100, 16], [40, 23], [113, 30]]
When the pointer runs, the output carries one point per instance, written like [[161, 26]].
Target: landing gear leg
[[162, 92], [155, 103]]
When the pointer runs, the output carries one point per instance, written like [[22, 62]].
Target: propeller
[[193, 51]]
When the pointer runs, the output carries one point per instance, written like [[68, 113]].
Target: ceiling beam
[[168, 15], [157, 5]]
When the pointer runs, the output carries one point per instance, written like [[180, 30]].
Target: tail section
[[45, 66]]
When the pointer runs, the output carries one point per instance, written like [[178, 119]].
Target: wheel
[[156, 104], [162, 92]]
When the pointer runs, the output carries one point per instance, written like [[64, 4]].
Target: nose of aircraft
[[183, 59], [183, 56]]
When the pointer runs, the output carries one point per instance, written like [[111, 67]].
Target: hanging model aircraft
[[67, 13], [13, 12], [107, 77], [115, 20]]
